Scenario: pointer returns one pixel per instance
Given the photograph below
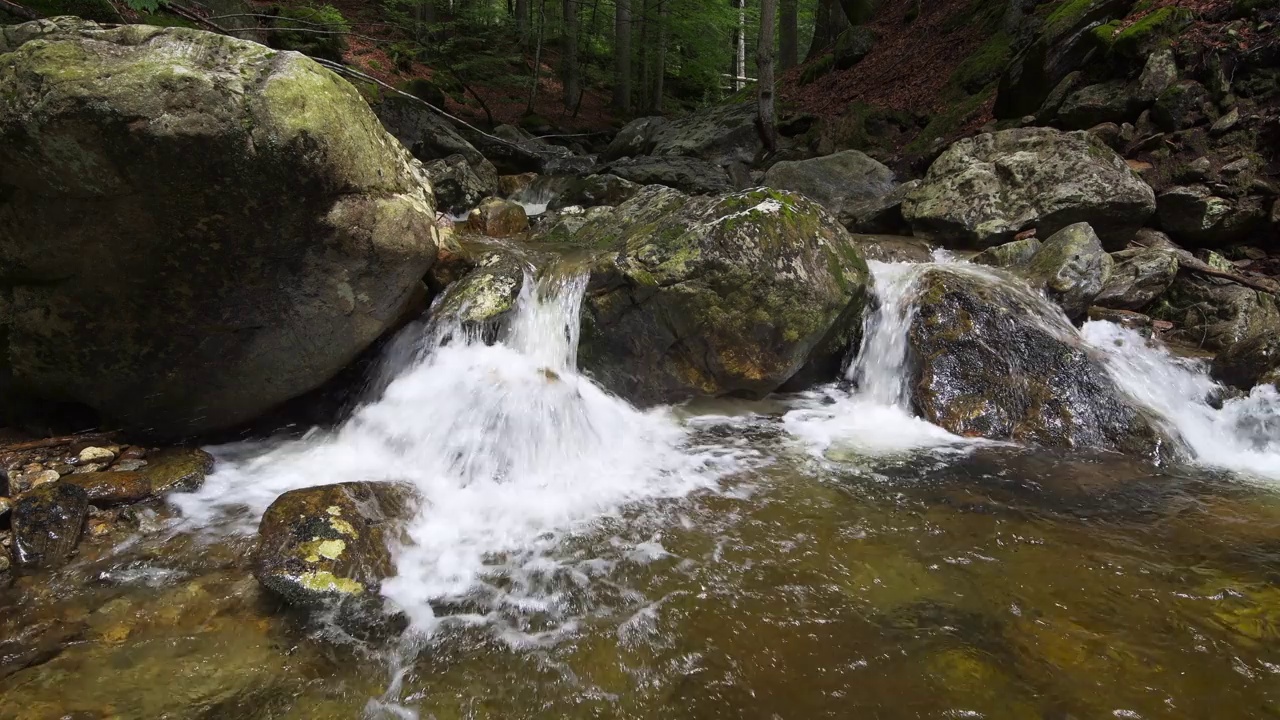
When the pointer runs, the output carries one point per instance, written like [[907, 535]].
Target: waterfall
[[1240, 434], [509, 446]]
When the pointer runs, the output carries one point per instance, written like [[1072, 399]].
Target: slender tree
[[764, 69], [522, 21], [660, 65], [569, 55], [740, 47], [537, 57], [828, 22], [622, 55], [788, 34]]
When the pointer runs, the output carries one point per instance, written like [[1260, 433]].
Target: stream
[[819, 554]]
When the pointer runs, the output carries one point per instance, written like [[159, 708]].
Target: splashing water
[[1243, 435], [875, 418], [509, 446]]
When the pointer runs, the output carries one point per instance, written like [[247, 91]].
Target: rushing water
[[824, 554]]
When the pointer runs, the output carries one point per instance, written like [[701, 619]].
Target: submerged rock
[[183, 207], [1252, 361], [498, 218], [166, 471], [984, 190], [729, 295], [834, 181], [991, 361], [1071, 267], [321, 544], [47, 522], [1139, 277]]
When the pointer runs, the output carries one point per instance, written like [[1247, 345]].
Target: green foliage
[[985, 65], [817, 69], [96, 10], [315, 30], [1152, 28], [1065, 16], [145, 6]]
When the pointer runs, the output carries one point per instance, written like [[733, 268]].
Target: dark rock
[[992, 361], [853, 45], [686, 174], [498, 218], [1048, 111], [47, 522], [458, 186], [169, 470], [1181, 105], [595, 190], [1138, 278], [1158, 73], [426, 134], [713, 296], [1252, 361], [1012, 255], [1109, 102], [1213, 313], [1194, 216], [1071, 267], [332, 543], [635, 139], [984, 190], [1110, 134], [879, 215], [1123, 318], [721, 135], [222, 201], [511, 185], [834, 181]]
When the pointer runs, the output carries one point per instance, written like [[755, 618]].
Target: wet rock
[[686, 174], [483, 297], [1213, 313], [834, 181], [46, 524], [594, 191], [1123, 318], [31, 480], [95, 454], [562, 226], [879, 215], [992, 361], [1158, 73], [1252, 361], [511, 185], [1109, 102], [113, 488], [332, 543], [984, 190], [1071, 267], [177, 470], [6, 568], [498, 218], [199, 160], [1194, 216], [5, 505], [893, 248], [88, 468], [127, 465], [459, 186], [717, 296], [1014, 254], [1138, 278]]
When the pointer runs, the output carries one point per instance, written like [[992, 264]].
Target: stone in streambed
[[1252, 361], [710, 296], [834, 181], [991, 360], [47, 523], [333, 542], [498, 218], [1011, 255], [1071, 268], [170, 470], [1138, 278]]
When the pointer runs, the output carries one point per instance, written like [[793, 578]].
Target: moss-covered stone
[[200, 228], [1071, 268], [332, 543], [1015, 254], [715, 296]]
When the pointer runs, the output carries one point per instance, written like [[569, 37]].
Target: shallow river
[[815, 555]]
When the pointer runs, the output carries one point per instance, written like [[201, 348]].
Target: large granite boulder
[[686, 174], [1194, 216], [730, 295], [193, 228], [1140, 276], [332, 544], [984, 190], [992, 360], [837, 181], [1071, 268]]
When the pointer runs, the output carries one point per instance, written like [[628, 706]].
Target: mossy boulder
[[1214, 313], [484, 297], [332, 544], [166, 471], [992, 360], [710, 296], [686, 174], [459, 185], [1140, 276], [984, 190], [1195, 217], [594, 191], [852, 46], [1181, 105], [1011, 255], [1071, 268], [1111, 102], [834, 181], [198, 228]]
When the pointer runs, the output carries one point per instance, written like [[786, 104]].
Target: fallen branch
[[15, 9], [1191, 263]]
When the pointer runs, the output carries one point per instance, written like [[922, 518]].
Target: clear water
[[818, 555]]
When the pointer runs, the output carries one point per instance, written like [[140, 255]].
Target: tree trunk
[[537, 57], [522, 22], [569, 55], [622, 55], [788, 35], [660, 67], [740, 47], [828, 22], [764, 69], [642, 41]]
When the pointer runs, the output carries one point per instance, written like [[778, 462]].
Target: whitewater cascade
[[508, 445]]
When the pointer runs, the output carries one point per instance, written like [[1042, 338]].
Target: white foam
[[1243, 435]]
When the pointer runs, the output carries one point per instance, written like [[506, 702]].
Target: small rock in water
[[128, 465], [92, 467], [5, 504], [32, 480], [47, 523], [174, 469], [1123, 318], [133, 452], [113, 488], [96, 455]]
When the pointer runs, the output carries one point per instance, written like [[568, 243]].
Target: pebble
[[133, 452], [5, 504], [32, 480], [128, 465], [96, 455], [89, 468], [98, 527]]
